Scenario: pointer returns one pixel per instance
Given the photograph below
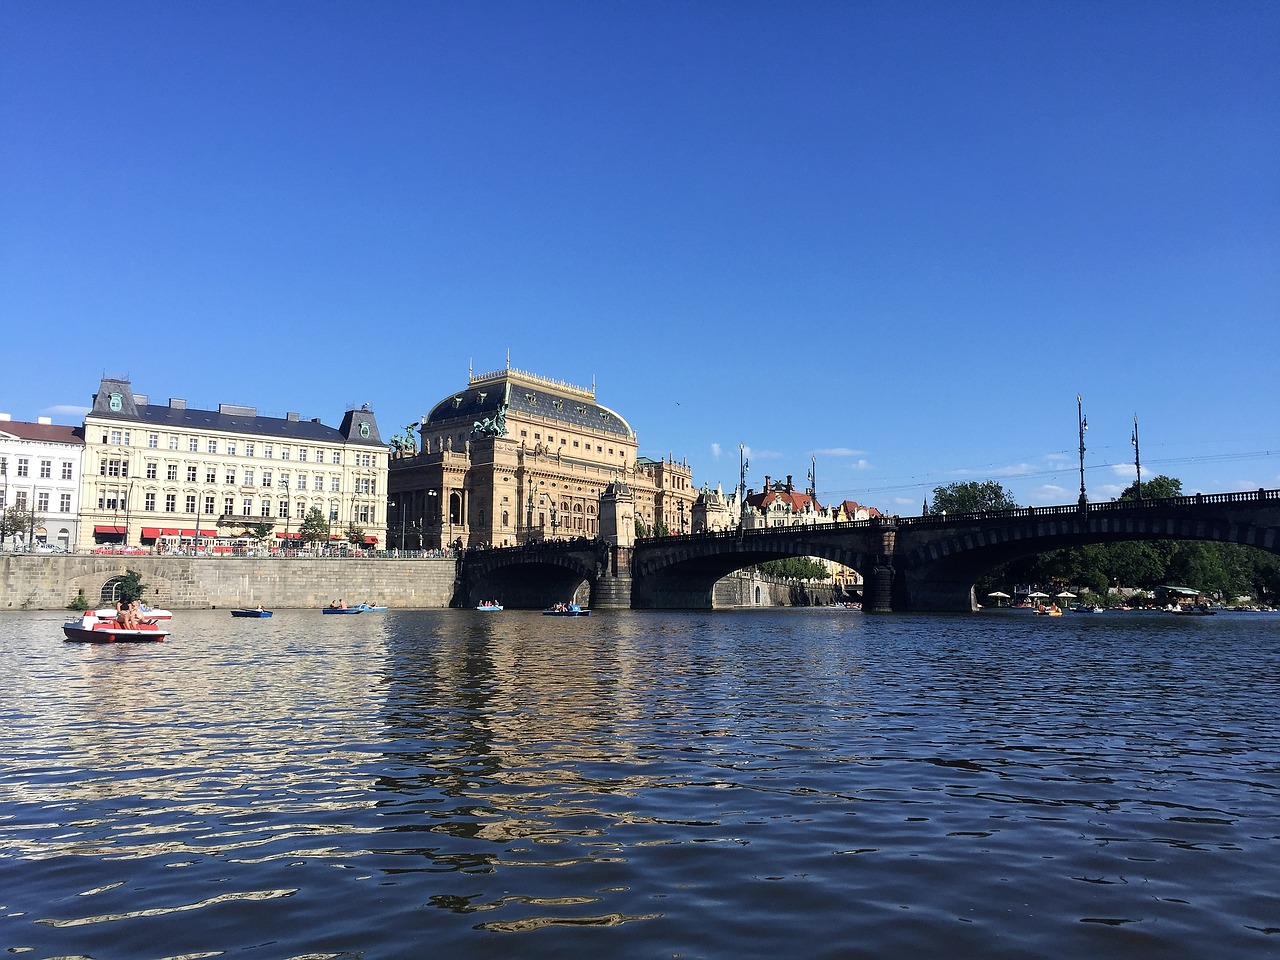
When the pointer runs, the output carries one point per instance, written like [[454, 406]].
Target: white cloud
[[1048, 495], [65, 410], [715, 451], [839, 452]]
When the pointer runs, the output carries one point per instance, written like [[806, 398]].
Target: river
[[811, 783]]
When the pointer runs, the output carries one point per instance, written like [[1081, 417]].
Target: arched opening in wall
[[757, 599], [112, 590], [455, 508], [506, 518]]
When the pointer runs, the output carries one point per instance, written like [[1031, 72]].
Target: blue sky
[[897, 238]]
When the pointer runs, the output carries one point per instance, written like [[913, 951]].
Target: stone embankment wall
[[51, 582], [749, 589]]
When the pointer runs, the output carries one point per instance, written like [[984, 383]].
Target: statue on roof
[[495, 426]]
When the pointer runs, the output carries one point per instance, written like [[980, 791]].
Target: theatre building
[[161, 476], [515, 457]]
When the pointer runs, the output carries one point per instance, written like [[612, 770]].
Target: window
[[228, 505], [116, 437], [284, 453], [151, 468], [266, 508], [24, 466], [149, 502], [191, 473], [266, 478], [248, 449], [46, 469], [208, 504], [173, 441], [211, 475], [153, 441], [248, 478], [64, 503], [284, 480], [171, 471], [337, 457], [67, 467], [231, 478], [213, 446], [267, 451], [20, 499], [302, 454], [283, 510], [247, 503], [302, 481], [333, 514], [42, 501], [335, 485], [170, 503], [318, 483], [193, 444], [191, 503]]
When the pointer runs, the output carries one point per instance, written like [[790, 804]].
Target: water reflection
[[673, 783]]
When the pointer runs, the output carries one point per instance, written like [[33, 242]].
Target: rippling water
[[805, 784]]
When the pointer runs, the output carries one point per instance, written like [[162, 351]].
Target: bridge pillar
[[877, 590]]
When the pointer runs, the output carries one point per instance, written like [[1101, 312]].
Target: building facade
[[515, 457], [161, 476], [40, 467]]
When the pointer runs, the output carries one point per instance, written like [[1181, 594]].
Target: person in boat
[[125, 615]]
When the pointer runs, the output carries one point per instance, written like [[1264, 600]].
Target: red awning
[[370, 539], [289, 536], [170, 532], [120, 531], [150, 533], [203, 533]]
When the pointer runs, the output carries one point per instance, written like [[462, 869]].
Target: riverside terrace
[[908, 563]]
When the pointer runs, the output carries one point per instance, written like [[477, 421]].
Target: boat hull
[[251, 613], [342, 610], [102, 634]]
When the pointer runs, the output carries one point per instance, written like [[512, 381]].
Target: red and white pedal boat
[[92, 628]]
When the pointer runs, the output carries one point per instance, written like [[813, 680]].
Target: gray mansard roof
[[115, 400], [527, 396]]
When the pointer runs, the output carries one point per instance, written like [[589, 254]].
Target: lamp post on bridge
[[1137, 462], [1084, 425]]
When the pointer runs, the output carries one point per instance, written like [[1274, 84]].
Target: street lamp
[[1137, 463], [431, 506], [128, 500], [680, 503], [1084, 425]]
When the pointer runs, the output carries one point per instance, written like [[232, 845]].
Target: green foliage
[[80, 602], [315, 528], [971, 496], [131, 586], [355, 534], [1154, 489], [641, 529], [261, 531], [796, 568], [660, 529]]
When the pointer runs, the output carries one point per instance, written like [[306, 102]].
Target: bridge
[[925, 563]]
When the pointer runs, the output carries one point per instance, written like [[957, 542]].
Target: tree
[[315, 528], [355, 534], [971, 496], [261, 531], [22, 522], [796, 568], [1154, 489]]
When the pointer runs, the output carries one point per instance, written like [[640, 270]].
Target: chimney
[[790, 486]]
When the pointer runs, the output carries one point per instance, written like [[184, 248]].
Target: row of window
[[113, 467], [22, 468], [231, 448], [113, 500], [42, 501]]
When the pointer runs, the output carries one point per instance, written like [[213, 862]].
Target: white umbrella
[[1067, 594], [997, 593], [1037, 594]]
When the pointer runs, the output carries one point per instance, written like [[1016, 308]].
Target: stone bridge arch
[[938, 560], [530, 577], [681, 572]]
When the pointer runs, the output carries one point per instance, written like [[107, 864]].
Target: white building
[[40, 476], [156, 474]]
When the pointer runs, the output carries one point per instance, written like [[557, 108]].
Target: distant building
[[161, 475], [515, 457], [713, 511], [40, 474]]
